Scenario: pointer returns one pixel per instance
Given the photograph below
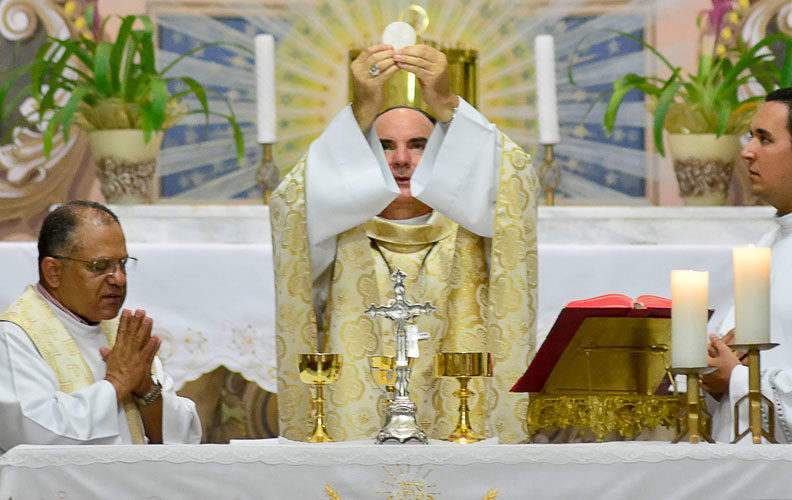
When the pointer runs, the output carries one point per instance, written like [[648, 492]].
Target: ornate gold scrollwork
[[603, 413]]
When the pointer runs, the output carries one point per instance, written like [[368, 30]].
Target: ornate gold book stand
[[604, 369]]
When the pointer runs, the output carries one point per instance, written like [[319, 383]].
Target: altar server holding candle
[[768, 156]]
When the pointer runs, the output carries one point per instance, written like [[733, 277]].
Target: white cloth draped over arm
[[348, 180], [33, 410]]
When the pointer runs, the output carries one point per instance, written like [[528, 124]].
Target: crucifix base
[[400, 423]]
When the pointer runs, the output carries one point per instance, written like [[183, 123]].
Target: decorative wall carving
[[29, 182]]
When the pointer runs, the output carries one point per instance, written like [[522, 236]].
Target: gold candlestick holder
[[697, 421], [755, 398], [267, 174], [549, 175], [462, 366], [319, 369]]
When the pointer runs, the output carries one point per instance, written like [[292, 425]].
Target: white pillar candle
[[751, 295], [544, 56], [689, 318], [265, 88]]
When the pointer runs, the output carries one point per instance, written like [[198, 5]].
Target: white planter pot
[[703, 164], [126, 165]]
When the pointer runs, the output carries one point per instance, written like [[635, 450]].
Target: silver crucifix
[[400, 423]]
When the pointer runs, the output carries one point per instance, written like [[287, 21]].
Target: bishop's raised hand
[[370, 70], [430, 67]]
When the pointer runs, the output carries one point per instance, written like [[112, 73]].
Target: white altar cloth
[[213, 304], [617, 470]]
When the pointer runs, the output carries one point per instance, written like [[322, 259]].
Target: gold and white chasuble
[[484, 291], [56, 346]]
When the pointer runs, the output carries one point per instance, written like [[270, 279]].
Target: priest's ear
[[50, 270]]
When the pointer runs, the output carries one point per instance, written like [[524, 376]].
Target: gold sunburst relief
[[312, 43]]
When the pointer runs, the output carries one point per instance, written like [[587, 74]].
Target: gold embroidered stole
[[32, 313], [495, 314], [446, 266]]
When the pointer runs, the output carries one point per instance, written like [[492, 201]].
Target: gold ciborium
[[319, 369], [383, 371], [463, 366]]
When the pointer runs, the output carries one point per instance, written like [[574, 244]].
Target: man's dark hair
[[57, 231], [430, 117], [783, 96]]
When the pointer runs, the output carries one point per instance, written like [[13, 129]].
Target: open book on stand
[[593, 346], [619, 300]]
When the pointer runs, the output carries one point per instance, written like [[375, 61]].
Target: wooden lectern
[[604, 366]]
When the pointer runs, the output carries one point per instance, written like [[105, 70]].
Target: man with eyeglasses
[[71, 370]]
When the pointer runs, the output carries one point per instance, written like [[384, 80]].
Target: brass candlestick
[[697, 421], [267, 174], [755, 398], [319, 369], [463, 366], [549, 175]]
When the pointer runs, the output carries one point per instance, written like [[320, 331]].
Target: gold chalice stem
[[463, 433], [319, 434]]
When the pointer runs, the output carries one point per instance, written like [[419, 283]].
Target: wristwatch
[[152, 395]]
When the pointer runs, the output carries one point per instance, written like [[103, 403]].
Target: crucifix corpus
[[400, 423]]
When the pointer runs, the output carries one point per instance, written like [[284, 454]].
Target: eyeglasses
[[105, 266]]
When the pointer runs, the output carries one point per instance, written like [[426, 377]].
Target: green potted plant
[[705, 112], [114, 90]]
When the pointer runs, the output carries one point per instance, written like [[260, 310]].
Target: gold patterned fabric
[[31, 312], [481, 306]]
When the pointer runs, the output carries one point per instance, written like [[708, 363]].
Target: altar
[[278, 470], [205, 272]]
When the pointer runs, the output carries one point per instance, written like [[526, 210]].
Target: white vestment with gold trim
[[35, 410], [475, 257]]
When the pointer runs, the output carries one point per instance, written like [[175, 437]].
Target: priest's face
[[93, 295], [403, 133], [769, 156]]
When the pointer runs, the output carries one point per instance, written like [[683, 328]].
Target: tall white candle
[[752, 295], [689, 318], [546, 105], [265, 88]]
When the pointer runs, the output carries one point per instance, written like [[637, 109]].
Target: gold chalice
[[319, 369], [383, 370], [463, 366]]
